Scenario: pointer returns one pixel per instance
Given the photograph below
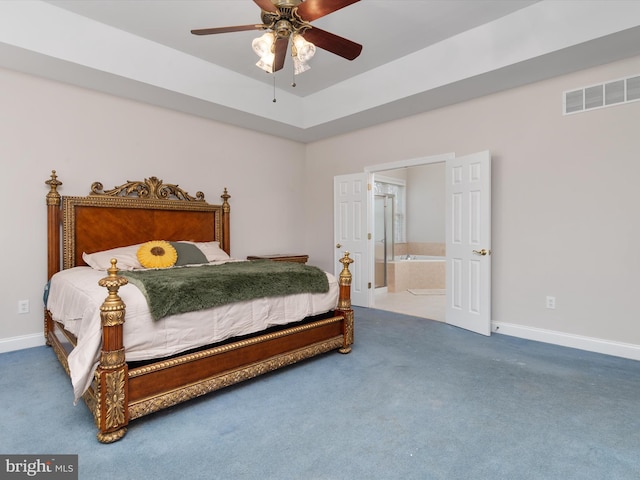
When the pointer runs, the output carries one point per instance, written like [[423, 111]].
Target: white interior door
[[351, 234], [468, 238]]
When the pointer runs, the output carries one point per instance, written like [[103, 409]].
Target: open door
[[351, 219], [468, 239]]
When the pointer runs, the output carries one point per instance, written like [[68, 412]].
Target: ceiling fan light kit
[[263, 46], [288, 22]]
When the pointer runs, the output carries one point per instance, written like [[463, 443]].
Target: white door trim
[[414, 162]]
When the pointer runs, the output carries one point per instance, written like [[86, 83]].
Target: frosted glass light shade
[[304, 50], [299, 66], [263, 46]]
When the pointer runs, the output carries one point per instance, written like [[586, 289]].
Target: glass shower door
[[383, 236]]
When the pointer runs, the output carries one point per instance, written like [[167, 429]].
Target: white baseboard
[[23, 341], [598, 345], [607, 347]]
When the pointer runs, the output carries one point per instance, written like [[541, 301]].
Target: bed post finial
[[53, 197], [344, 302], [225, 200], [112, 377]]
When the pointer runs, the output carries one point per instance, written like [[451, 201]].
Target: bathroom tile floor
[[425, 306]]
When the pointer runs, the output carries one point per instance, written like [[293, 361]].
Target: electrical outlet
[[551, 302], [23, 306]]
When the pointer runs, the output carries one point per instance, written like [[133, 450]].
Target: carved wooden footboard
[[119, 393]]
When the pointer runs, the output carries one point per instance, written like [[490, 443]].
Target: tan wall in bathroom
[[420, 248]]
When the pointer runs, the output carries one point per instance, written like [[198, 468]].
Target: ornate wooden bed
[[130, 214]]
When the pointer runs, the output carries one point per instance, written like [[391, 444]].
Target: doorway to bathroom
[[467, 244], [409, 240]]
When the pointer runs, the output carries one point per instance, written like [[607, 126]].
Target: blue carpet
[[415, 399]]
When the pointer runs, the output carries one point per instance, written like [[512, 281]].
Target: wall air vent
[[614, 92]]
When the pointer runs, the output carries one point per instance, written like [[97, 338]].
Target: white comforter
[[75, 298]]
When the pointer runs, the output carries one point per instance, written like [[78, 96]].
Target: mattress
[[75, 298]]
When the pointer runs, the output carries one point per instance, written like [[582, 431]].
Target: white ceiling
[[417, 55], [386, 29]]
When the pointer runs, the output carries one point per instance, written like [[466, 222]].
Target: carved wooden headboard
[[134, 212]]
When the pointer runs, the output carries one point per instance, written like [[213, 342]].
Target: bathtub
[[406, 258], [416, 272]]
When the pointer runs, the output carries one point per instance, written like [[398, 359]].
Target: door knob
[[338, 245], [482, 252]]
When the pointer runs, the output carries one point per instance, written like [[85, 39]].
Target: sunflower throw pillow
[[157, 254]]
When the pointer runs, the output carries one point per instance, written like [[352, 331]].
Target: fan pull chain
[[274, 87], [293, 78]]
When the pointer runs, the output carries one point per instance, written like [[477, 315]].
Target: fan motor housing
[[283, 28], [287, 3], [286, 21]]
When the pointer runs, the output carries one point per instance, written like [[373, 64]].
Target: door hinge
[[369, 285], [369, 186], [369, 236]]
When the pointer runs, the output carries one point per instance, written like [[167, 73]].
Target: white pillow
[[128, 259], [212, 251], [126, 256]]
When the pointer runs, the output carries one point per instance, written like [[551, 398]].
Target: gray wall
[[426, 203], [88, 136], [565, 219]]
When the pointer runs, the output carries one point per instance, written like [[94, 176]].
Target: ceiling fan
[[289, 21]]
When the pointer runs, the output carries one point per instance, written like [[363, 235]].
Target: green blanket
[[179, 290]]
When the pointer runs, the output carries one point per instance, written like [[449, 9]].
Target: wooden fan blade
[[312, 9], [333, 43], [280, 53], [239, 28], [266, 5]]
